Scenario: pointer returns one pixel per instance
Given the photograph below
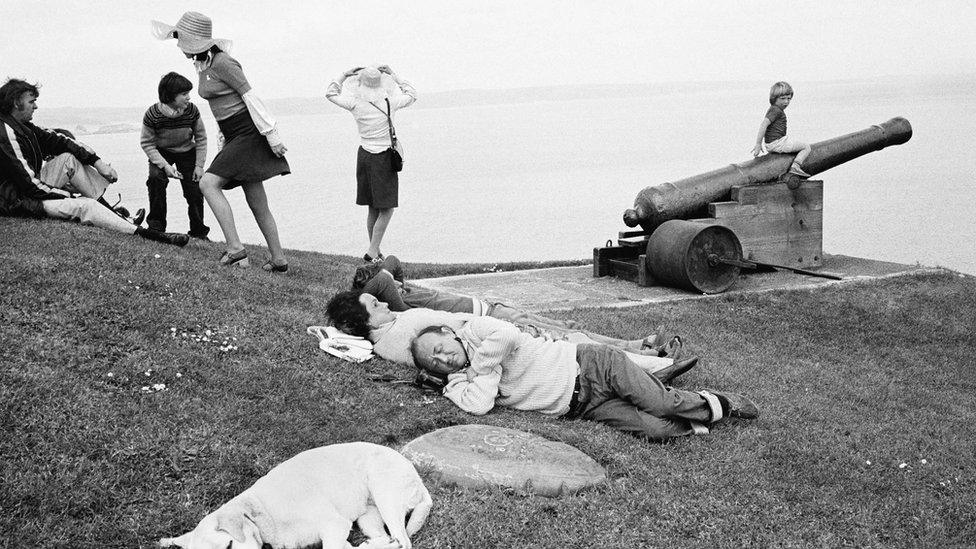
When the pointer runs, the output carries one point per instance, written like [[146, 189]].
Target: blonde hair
[[778, 90]]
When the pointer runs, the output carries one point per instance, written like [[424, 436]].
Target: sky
[[101, 53]]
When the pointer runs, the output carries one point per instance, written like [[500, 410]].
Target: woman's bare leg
[[212, 187], [257, 200]]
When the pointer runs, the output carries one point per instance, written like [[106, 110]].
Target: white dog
[[315, 497]]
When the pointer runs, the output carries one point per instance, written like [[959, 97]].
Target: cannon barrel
[[678, 200]]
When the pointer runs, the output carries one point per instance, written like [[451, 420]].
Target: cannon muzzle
[[680, 199]]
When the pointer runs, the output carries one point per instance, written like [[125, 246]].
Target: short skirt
[[377, 183], [246, 155]]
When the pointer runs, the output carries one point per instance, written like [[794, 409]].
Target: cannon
[[698, 233], [683, 198]]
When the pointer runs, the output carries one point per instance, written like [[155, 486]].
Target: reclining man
[[384, 280], [487, 361], [363, 315], [23, 146]]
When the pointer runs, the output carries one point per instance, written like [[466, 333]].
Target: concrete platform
[[574, 287]]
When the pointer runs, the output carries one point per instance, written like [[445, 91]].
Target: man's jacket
[[23, 147]]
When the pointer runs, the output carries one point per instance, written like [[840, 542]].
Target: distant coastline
[[99, 120]]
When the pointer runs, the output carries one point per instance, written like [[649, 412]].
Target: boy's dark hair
[[171, 85], [348, 314], [11, 92]]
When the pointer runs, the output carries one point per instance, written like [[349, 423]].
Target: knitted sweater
[[392, 340], [162, 128], [513, 369]]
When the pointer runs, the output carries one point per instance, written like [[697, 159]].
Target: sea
[[545, 174]]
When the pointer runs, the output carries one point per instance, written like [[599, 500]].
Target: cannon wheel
[[682, 254]]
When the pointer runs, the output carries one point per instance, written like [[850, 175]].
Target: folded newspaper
[[342, 345]]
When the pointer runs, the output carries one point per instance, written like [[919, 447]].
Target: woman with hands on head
[[373, 104], [252, 150]]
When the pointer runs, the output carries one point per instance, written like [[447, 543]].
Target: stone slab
[[564, 288], [477, 456]]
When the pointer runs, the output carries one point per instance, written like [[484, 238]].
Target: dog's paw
[[380, 543]]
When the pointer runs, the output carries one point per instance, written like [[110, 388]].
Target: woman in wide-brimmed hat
[[373, 98], [252, 150]]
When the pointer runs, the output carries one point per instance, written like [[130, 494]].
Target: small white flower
[[159, 386], [157, 256], [902, 465], [868, 462], [179, 374], [110, 374]]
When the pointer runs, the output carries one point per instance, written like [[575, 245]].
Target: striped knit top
[[171, 131], [513, 369]]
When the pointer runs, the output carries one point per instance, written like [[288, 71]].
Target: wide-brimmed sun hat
[[193, 33], [372, 85]]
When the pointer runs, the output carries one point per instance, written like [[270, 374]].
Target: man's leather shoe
[[736, 405], [676, 368]]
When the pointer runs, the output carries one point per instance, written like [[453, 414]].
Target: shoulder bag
[[395, 145]]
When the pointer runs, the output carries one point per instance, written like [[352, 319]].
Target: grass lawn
[[867, 437]]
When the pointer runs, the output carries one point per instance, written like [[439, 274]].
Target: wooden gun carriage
[[697, 233]]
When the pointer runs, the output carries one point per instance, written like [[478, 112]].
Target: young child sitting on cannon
[[772, 130]]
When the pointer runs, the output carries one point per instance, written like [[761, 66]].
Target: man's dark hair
[[12, 91], [171, 85], [348, 314]]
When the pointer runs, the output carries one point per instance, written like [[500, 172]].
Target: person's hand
[[279, 149], [757, 150], [197, 173], [385, 69], [172, 172], [352, 71], [69, 171], [106, 170]]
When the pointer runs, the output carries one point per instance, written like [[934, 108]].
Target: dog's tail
[[419, 514]]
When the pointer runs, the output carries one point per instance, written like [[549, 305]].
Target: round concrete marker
[[481, 455]]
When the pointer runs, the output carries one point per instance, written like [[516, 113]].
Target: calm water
[[550, 180]]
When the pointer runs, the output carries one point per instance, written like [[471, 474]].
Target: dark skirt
[[246, 155], [377, 183]]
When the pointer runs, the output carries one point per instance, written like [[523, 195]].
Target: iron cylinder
[[677, 200], [682, 254]]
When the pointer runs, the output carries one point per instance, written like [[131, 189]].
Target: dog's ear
[[240, 527], [233, 524]]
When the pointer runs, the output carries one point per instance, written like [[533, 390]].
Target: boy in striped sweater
[[489, 361], [175, 140]]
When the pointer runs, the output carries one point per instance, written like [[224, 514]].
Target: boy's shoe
[[797, 171], [139, 217], [176, 239]]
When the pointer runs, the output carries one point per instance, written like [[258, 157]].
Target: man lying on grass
[[23, 147], [363, 315], [488, 361]]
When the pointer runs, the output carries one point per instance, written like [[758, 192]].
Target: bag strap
[[389, 121]]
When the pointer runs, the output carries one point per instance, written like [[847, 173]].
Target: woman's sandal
[[273, 267], [236, 259], [656, 342]]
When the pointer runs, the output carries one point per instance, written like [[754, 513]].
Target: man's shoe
[[736, 405], [122, 211], [139, 217], [202, 237], [676, 368]]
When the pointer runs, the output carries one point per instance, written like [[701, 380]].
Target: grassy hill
[[141, 386]]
